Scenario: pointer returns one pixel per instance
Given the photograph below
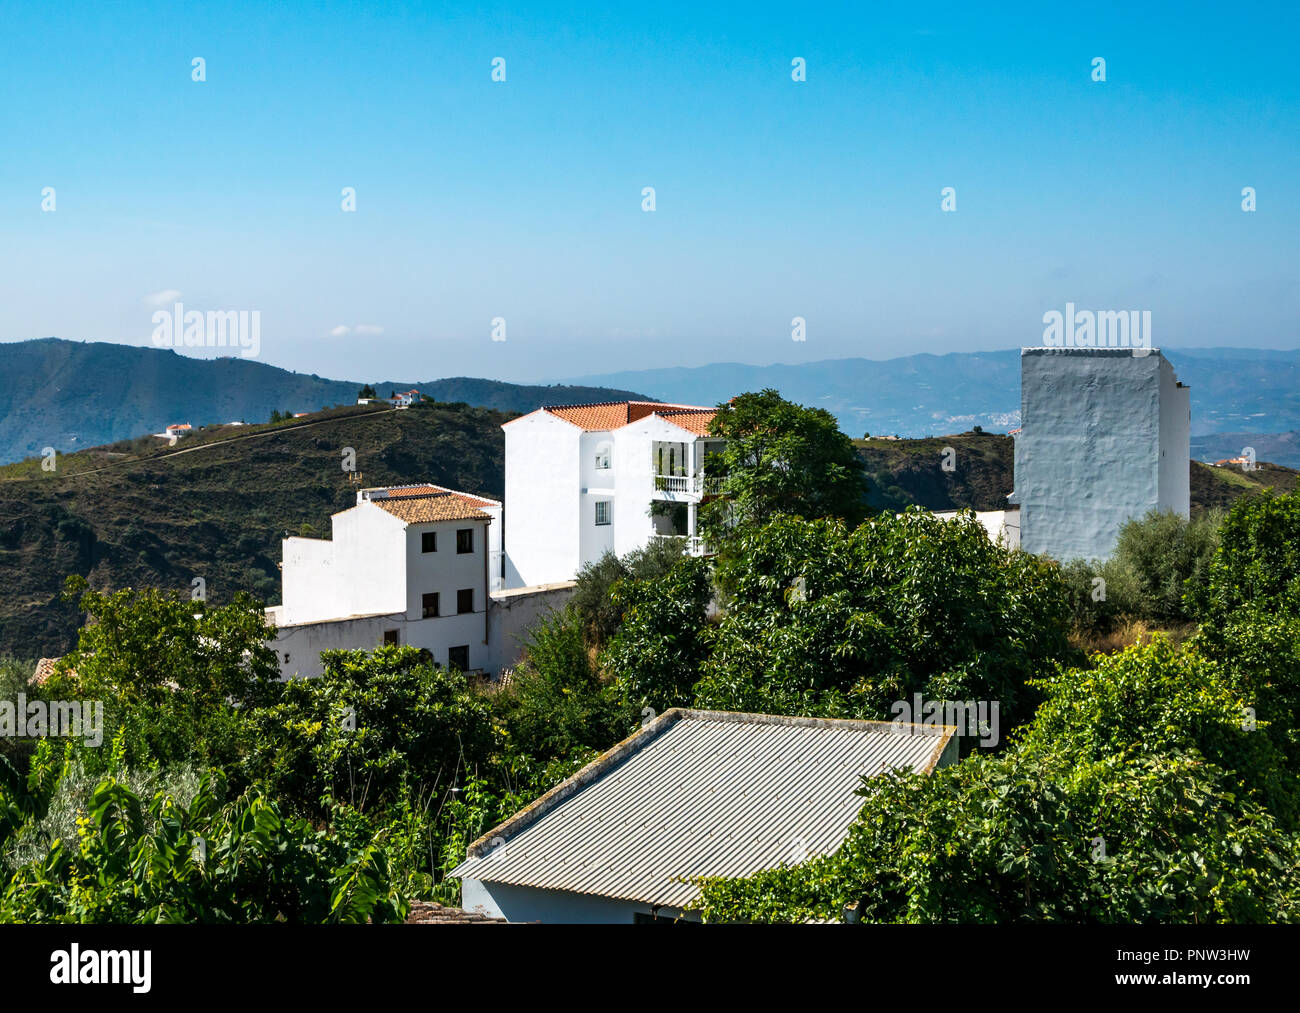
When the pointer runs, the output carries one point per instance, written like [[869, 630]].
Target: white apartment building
[[407, 565], [584, 479]]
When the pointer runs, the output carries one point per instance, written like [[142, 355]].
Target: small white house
[[585, 479], [415, 565], [692, 794]]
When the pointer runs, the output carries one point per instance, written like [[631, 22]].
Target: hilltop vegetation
[[215, 506]]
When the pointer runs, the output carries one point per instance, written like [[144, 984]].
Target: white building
[[407, 565], [583, 479], [1105, 438], [1003, 526], [692, 794]]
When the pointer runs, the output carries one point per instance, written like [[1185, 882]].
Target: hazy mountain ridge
[[1234, 390], [70, 395]]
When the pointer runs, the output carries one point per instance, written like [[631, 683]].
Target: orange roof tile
[[605, 415], [427, 504], [696, 421], [399, 491]]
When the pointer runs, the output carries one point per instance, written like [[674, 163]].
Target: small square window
[[603, 511], [464, 540], [602, 458], [429, 604], [458, 657], [390, 637], [429, 541], [465, 600]]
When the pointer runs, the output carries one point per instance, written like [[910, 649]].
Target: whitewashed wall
[[543, 500], [1104, 439]]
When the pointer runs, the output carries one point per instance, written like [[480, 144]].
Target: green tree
[[824, 620], [163, 861], [591, 601], [779, 458], [177, 676], [657, 652], [367, 392], [1169, 557], [556, 706], [372, 722]]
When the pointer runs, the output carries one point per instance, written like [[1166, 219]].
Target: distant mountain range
[[1234, 390], [73, 394]]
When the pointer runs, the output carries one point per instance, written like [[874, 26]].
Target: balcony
[[698, 484], [692, 545], [674, 483]]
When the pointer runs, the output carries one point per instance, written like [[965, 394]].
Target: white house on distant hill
[[583, 479], [411, 565], [692, 794], [174, 432]]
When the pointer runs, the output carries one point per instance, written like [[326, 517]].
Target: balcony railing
[[699, 483], [693, 543], [674, 483]]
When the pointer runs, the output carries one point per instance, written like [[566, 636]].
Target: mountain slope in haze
[[1232, 389], [71, 394], [142, 514]]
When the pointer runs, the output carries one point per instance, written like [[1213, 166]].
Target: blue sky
[[523, 199]]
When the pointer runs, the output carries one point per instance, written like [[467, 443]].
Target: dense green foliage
[[779, 458], [660, 645], [599, 612], [1135, 795], [1158, 573], [1159, 784], [827, 620]]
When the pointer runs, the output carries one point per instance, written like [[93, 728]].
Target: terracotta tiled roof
[[695, 420], [425, 912], [400, 491], [605, 415], [44, 669], [429, 503]]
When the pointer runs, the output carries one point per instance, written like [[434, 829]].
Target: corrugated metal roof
[[698, 793]]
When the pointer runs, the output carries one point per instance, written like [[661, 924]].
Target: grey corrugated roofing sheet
[[699, 793]]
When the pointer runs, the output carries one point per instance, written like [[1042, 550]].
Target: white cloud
[[167, 295], [343, 330]]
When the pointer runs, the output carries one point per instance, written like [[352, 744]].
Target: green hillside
[[215, 506]]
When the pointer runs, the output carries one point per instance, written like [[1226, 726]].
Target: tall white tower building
[[1105, 438]]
